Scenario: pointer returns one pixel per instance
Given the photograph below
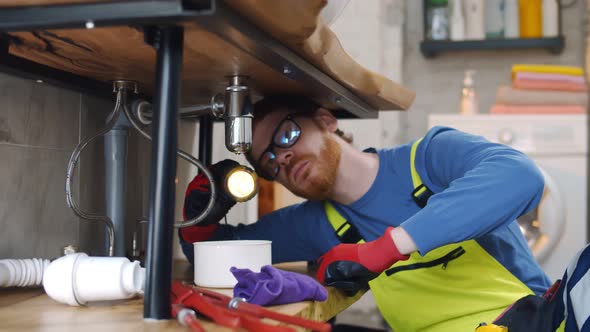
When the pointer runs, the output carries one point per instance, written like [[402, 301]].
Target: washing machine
[[556, 229]]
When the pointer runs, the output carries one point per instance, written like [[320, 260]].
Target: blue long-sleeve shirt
[[480, 189]]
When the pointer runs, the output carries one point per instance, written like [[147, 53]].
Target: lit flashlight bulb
[[241, 184]]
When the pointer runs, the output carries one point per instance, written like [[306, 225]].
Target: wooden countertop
[[32, 310], [113, 53]]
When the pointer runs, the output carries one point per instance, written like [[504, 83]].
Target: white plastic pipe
[[22, 272], [5, 275], [77, 279]]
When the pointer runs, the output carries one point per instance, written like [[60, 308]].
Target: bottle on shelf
[[550, 18], [511, 19], [469, 100], [438, 20], [457, 21], [494, 19], [530, 18], [474, 19]]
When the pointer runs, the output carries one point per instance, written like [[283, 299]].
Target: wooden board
[[286, 20], [300, 27], [120, 53], [113, 53], [31, 310]]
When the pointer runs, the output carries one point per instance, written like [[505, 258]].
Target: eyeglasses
[[285, 136]]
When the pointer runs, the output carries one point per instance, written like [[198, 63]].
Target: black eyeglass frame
[[270, 148]]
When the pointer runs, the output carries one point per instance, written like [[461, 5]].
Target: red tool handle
[[299, 321], [188, 296], [255, 324], [262, 312], [188, 320]]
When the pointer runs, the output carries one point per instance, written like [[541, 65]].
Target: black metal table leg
[[205, 139], [169, 44]]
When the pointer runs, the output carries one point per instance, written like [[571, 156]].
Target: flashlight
[[241, 184]]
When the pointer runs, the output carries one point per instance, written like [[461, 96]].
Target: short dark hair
[[291, 104]]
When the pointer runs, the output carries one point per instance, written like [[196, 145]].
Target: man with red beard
[[429, 226]]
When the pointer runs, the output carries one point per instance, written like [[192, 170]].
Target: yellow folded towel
[[548, 69]]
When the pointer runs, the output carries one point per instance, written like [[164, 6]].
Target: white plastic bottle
[[550, 18], [469, 101], [457, 20], [511, 21], [494, 19], [474, 19]]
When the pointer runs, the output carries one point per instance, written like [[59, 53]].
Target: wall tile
[[53, 118], [36, 114], [15, 95], [34, 217]]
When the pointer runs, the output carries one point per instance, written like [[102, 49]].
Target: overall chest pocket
[[427, 263]]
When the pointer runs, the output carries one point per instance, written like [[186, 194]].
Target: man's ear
[[325, 119]]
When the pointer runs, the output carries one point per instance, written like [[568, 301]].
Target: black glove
[[198, 193]]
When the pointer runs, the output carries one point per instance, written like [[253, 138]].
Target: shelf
[[431, 48]]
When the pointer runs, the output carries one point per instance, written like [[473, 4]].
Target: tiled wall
[[40, 125]]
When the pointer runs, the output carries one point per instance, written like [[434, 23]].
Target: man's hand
[[199, 190], [195, 202], [197, 197], [351, 266]]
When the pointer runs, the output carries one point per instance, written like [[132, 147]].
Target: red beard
[[319, 185]]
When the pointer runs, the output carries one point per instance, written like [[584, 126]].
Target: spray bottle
[[469, 102]]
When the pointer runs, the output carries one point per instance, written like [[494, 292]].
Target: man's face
[[308, 168]]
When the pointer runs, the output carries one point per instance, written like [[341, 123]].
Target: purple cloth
[[273, 286]]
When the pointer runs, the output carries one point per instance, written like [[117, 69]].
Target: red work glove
[[196, 200], [351, 266], [198, 193]]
